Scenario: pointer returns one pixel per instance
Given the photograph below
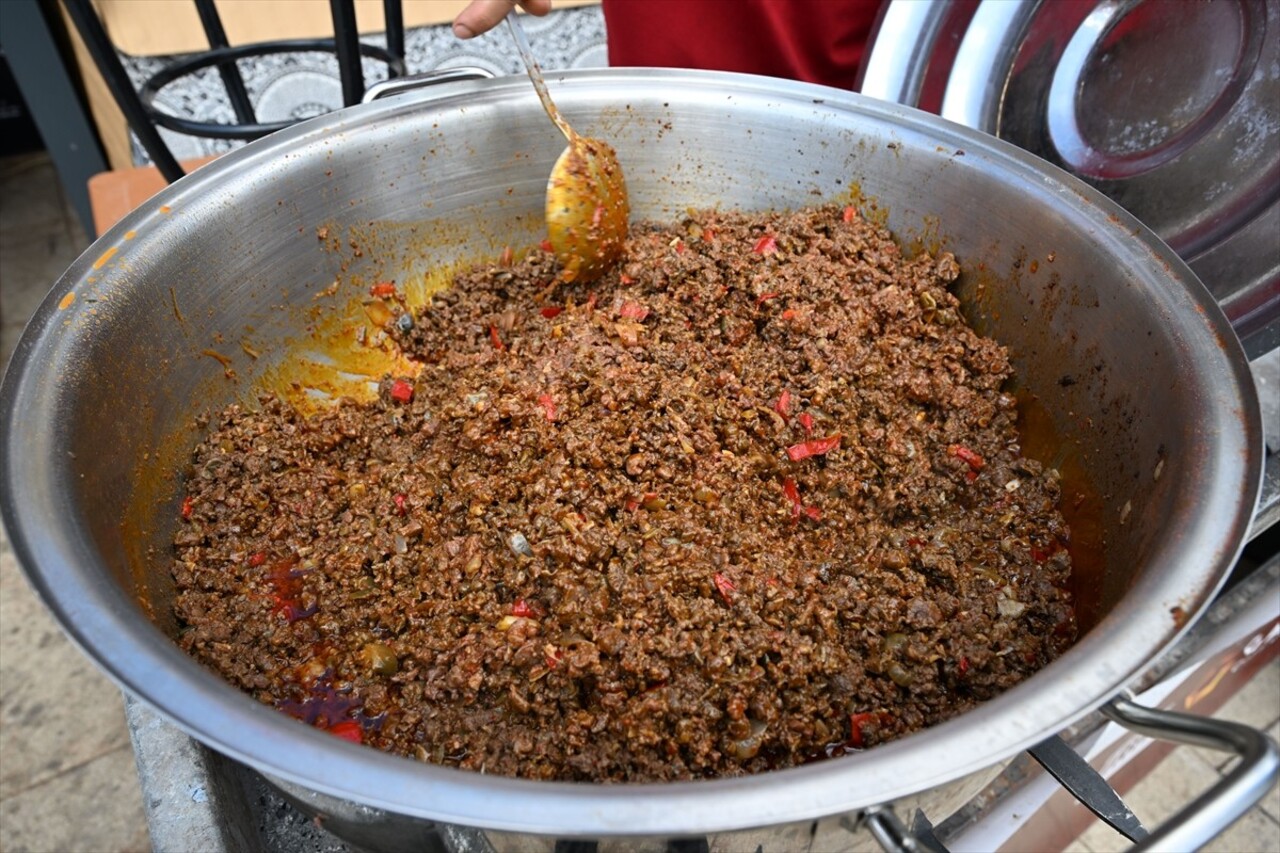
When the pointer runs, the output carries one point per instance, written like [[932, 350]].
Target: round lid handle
[[1084, 51]]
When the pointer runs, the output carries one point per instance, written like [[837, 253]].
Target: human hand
[[480, 16]]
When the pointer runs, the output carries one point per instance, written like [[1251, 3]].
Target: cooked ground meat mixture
[[754, 498]]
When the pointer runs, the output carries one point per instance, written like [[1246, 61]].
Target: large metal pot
[[1129, 363]]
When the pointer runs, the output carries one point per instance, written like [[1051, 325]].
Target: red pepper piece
[[679, 247], [725, 587], [792, 492], [813, 447], [552, 656], [783, 404], [522, 609], [625, 279], [631, 505], [401, 502], [497, 341], [788, 314], [857, 738], [633, 311], [964, 454], [551, 312], [766, 245], [765, 297], [546, 246], [962, 666], [849, 214], [401, 391], [188, 505], [1041, 555], [383, 288], [347, 730], [548, 406], [257, 559], [806, 422]]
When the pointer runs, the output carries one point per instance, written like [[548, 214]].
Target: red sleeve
[[818, 41]]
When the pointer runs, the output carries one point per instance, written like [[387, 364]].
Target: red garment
[[818, 41]]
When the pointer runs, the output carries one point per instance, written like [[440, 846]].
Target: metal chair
[[144, 118]]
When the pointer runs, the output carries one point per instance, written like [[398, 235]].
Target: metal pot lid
[[1172, 110]]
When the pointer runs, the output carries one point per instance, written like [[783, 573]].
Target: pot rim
[[104, 622]]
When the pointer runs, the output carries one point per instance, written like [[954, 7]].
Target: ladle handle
[[535, 74]]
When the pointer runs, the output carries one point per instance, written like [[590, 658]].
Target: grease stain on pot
[[105, 257], [345, 351], [1082, 505]]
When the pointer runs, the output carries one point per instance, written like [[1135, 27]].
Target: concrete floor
[[67, 776]]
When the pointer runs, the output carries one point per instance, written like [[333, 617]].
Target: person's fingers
[[480, 16]]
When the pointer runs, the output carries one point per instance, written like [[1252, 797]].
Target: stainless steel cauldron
[[1139, 375]]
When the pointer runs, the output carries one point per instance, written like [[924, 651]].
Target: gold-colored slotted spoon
[[587, 205]]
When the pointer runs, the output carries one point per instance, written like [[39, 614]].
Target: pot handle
[[1220, 806], [399, 85], [1190, 829]]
